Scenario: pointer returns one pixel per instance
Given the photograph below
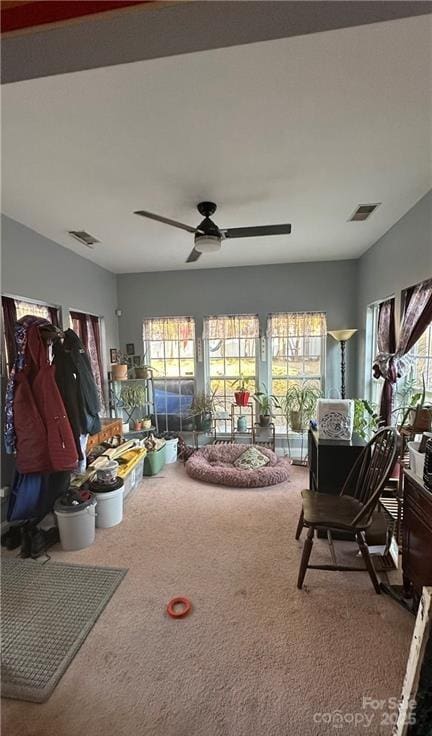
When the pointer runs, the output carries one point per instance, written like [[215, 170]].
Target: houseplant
[[299, 405], [415, 412], [266, 403], [119, 369], [202, 409], [366, 418], [132, 398], [242, 393], [142, 370]]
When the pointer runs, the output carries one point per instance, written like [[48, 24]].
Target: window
[[37, 310], [421, 356], [87, 327], [297, 341], [231, 350], [169, 348], [13, 310]]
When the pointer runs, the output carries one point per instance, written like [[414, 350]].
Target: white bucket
[[417, 459], [77, 528], [171, 450], [109, 508]]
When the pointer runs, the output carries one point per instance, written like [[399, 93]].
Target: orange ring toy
[[187, 605]]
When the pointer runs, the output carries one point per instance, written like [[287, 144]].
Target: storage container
[[416, 458], [154, 461], [132, 471], [171, 450], [109, 508], [76, 524]]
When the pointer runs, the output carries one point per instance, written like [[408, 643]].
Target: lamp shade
[[207, 243], [341, 334]]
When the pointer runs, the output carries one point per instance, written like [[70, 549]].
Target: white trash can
[[109, 508], [171, 450], [76, 524]]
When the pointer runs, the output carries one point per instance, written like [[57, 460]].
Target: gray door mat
[[47, 610]]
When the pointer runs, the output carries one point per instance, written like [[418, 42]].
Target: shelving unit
[[264, 436], [117, 409], [236, 412]]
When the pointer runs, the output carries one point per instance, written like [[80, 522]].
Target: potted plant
[[202, 409], [242, 393], [416, 412], [299, 405], [119, 369], [142, 370], [266, 402], [132, 398], [366, 418], [146, 423]]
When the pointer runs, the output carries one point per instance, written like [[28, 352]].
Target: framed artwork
[[130, 348], [113, 355], [137, 360]]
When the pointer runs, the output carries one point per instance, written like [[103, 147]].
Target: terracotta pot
[[242, 398], [138, 426], [119, 371]]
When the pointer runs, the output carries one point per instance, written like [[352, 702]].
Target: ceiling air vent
[[363, 211], [84, 238]]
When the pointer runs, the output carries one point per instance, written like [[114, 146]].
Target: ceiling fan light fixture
[[207, 243]]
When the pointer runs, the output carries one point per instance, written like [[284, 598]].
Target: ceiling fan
[[208, 236]]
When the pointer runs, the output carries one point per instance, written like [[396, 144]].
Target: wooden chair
[[351, 510]]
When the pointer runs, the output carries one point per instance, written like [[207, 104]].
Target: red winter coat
[[45, 442]]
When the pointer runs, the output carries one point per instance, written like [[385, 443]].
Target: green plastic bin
[[154, 461]]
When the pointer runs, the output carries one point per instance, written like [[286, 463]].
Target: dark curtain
[[54, 316], [80, 327], [9, 319], [386, 343], [417, 317]]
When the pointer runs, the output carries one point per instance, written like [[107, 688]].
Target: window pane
[[169, 348], [297, 347], [231, 349]]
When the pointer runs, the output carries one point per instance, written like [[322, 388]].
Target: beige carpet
[[256, 656]]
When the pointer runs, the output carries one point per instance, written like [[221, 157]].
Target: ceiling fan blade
[[166, 220], [193, 256], [253, 232]]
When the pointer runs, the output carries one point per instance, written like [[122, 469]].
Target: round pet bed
[[215, 464]]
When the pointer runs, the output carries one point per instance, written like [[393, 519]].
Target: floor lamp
[[342, 336]]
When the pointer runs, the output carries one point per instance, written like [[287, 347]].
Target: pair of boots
[[34, 542]]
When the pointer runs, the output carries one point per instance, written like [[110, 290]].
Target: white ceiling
[[298, 130]]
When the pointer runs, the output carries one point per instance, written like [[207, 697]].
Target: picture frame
[[130, 348], [137, 361], [113, 355]]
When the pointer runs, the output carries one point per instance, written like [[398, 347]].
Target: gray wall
[[326, 286], [401, 258], [37, 268]]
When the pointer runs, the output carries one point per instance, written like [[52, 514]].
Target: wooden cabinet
[[109, 428], [416, 534], [330, 461]]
